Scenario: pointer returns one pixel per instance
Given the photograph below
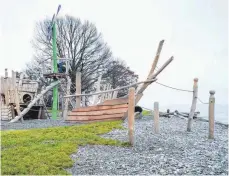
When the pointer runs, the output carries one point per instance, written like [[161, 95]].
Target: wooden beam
[[156, 58], [145, 85]]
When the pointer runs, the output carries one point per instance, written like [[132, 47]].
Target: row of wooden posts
[[131, 113]]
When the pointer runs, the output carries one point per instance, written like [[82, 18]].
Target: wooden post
[[211, 114], [115, 94], [83, 100], [65, 113], [6, 73], [156, 117], [193, 107], [13, 85], [17, 103], [39, 113], [131, 105], [78, 89], [97, 90], [6, 91]]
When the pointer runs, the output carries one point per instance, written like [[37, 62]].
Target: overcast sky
[[195, 33]]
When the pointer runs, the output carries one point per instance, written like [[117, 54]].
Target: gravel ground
[[173, 151], [37, 123]]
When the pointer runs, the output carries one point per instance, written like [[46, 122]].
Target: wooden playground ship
[[15, 95], [115, 108]]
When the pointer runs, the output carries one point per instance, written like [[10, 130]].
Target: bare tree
[[81, 42], [77, 40], [118, 75]]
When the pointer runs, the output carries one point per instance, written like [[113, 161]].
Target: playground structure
[[16, 94], [20, 96]]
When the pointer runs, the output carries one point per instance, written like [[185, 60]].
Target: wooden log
[[211, 114], [101, 112], [156, 117], [162, 67], [34, 101], [193, 107], [65, 113], [131, 105], [144, 86], [156, 58], [99, 108], [78, 89]]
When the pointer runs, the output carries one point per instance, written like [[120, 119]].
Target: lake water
[[221, 111]]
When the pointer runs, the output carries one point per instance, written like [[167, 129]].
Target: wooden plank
[[98, 117], [102, 112], [94, 121], [99, 108]]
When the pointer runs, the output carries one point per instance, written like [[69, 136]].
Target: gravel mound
[[37, 123], [173, 151]]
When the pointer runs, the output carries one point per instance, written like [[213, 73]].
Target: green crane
[[52, 34]]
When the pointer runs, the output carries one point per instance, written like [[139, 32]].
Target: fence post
[[131, 105], [211, 114], [156, 117], [193, 107], [78, 89]]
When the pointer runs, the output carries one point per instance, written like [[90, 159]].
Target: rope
[[174, 88], [112, 90], [201, 101]]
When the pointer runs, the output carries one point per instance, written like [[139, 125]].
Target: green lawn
[[47, 151], [146, 112]]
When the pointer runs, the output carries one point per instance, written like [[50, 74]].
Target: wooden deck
[[98, 113]]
